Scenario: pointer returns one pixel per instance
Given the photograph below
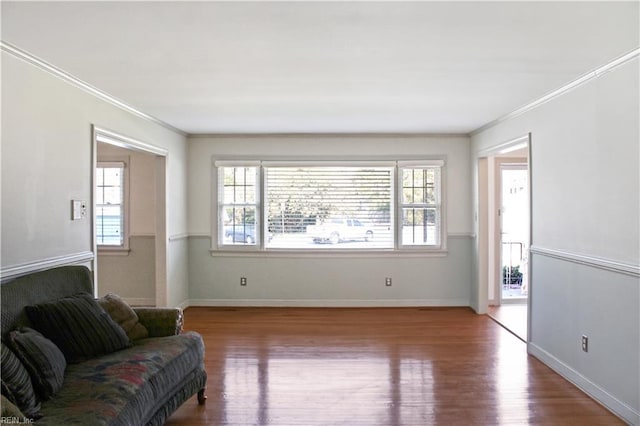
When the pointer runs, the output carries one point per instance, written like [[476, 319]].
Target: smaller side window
[[110, 204], [420, 206], [238, 206]]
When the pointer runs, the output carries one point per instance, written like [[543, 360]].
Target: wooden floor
[[387, 366], [511, 317]]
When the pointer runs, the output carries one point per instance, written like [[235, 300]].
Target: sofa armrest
[[161, 321]]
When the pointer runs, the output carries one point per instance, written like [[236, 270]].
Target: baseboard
[[329, 303], [619, 408]]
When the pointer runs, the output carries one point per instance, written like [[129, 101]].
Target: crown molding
[[69, 78], [562, 90], [83, 85], [327, 135]]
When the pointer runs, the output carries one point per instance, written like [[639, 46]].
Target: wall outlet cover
[[78, 209]]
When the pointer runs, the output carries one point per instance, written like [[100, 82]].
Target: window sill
[[335, 253], [113, 251]]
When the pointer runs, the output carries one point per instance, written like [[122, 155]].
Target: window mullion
[[261, 202]]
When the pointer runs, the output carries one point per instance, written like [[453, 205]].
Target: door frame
[[103, 135]]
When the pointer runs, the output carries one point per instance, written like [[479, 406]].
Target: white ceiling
[[324, 67]]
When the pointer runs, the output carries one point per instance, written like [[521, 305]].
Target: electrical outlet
[[387, 281], [78, 209], [585, 343], [243, 281]]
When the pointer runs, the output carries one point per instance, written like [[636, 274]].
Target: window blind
[[309, 205]]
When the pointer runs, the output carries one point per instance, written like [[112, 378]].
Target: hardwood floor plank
[[384, 366]]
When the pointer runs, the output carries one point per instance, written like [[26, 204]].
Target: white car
[[335, 230]]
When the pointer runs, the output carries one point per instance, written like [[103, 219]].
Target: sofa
[[85, 366]]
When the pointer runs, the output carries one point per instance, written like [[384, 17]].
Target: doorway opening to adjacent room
[[115, 202], [504, 233]]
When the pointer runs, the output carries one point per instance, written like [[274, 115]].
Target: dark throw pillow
[[79, 327], [124, 315], [16, 384], [42, 359]]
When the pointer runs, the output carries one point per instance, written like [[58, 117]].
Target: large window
[[110, 208], [323, 206], [327, 206]]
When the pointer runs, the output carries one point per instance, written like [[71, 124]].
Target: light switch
[[78, 209]]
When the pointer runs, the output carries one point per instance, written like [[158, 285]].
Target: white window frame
[[259, 249], [218, 225], [117, 162], [439, 205]]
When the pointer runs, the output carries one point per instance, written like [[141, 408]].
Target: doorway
[[135, 267], [504, 234]]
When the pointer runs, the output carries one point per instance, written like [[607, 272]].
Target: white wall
[[327, 280], [46, 162], [586, 240]]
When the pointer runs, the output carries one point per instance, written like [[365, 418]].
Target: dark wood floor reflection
[[388, 366]]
